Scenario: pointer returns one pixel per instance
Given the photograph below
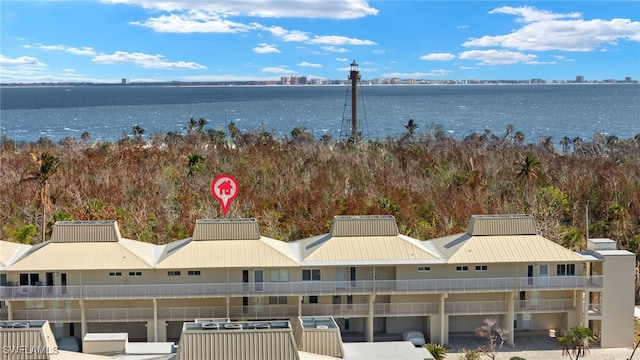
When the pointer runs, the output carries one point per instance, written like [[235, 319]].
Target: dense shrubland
[[157, 187]]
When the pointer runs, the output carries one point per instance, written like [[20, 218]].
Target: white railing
[[595, 309], [475, 307], [288, 311], [301, 288]]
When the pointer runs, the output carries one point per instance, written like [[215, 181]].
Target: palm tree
[[47, 165], [565, 142], [191, 126], [137, 132], [576, 342], [527, 170], [202, 122], [411, 127]]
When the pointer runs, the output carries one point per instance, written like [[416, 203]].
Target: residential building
[[375, 282]]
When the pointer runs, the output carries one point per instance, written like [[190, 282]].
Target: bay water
[[109, 112]]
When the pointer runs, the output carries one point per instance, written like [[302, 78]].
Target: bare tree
[[495, 336]]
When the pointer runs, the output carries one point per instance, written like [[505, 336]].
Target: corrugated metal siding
[[326, 342], [237, 345], [382, 225], [25, 344], [85, 231], [502, 225], [226, 229]]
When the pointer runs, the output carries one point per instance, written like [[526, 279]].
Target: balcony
[[303, 288], [288, 311]]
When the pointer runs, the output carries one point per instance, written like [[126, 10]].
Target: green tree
[[136, 132], [576, 342], [527, 170], [196, 164], [202, 122], [411, 127], [24, 234], [438, 351], [46, 165]]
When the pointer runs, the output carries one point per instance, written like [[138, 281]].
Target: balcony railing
[[595, 309], [302, 288], [288, 311]]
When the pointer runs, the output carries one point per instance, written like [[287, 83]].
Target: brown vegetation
[[431, 183]]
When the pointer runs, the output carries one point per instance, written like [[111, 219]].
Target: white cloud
[[284, 34], [306, 64], [334, 49], [417, 75], [342, 59], [346, 9], [497, 57], [438, 57], [193, 22], [265, 48], [339, 40], [144, 60], [545, 31], [82, 51], [20, 61], [278, 70]]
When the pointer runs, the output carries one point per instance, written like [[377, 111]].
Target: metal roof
[[517, 224], [10, 252], [237, 341], [467, 249], [263, 252], [31, 339], [369, 225], [124, 254], [226, 229], [85, 231]]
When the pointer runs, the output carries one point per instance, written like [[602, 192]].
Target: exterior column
[[83, 318], [369, 329], [299, 306], [508, 323], [155, 320], [10, 310], [444, 320], [228, 301]]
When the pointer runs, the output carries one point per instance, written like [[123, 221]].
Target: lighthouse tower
[[354, 77], [354, 82]]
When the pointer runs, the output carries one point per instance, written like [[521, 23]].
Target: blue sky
[[154, 40]]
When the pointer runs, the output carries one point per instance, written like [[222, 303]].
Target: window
[[311, 275], [566, 269], [462, 268], [279, 275], [310, 299], [424, 268], [115, 273], [173, 273], [277, 300], [135, 273], [481, 267], [193, 272]]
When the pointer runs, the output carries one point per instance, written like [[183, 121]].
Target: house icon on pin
[[225, 188]]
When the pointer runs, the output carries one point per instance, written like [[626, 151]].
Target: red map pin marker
[[224, 188]]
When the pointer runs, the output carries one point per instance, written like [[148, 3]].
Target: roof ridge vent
[[365, 225], [496, 225], [226, 229], [85, 231]]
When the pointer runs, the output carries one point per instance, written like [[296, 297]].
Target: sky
[[212, 40]]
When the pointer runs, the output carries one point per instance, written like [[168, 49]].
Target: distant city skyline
[[219, 41]]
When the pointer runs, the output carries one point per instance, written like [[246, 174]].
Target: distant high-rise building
[[124, 81], [627, 79], [579, 79]]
